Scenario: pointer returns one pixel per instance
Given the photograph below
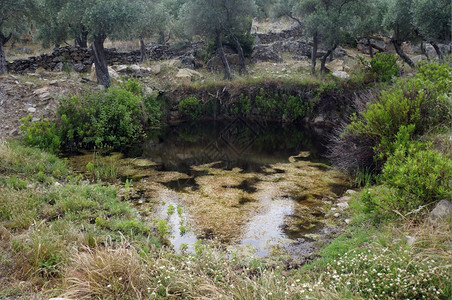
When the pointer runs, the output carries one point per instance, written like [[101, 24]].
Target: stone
[[79, 67], [31, 109], [113, 73], [335, 65], [337, 215], [347, 221], [410, 240], [265, 53], [93, 76], [135, 68], [58, 67], [188, 74], [418, 58], [121, 68], [344, 199], [341, 74], [442, 210], [342, 205], [154, 69], [350, 192]]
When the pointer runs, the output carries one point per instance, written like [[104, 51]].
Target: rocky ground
[[33, 94]]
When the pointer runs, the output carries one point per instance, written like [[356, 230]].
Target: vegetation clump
[[113, 118]]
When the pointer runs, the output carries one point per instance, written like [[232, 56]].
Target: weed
[[191, 108]]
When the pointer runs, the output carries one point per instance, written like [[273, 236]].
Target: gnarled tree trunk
[[3, 41], [143, 54], [227, 69], [82, 40], [324, 58], [243, 68], [100, 62], [314, 53], [371, 51], [438, 50], [403, 54]]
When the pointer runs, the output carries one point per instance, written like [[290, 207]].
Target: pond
[[254, 186]]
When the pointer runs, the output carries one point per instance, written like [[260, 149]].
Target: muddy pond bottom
[[256, 188]]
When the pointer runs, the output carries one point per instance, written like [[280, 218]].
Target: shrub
[[420, 101], [384, 66], [240, 106], [112, 118], [42, 134], [191, 107], [420, 174]]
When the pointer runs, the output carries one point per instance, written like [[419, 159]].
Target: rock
[[79, 67], [347, 221], [265, 53], [135, 68], [113, 73], [419, 58], [442, 210], [337, 215], [350, 192], [58, 67], [342, 205], [341, 74], [31, 109], [344, 199], [154, 69], [188, 74], [410, 240], [93, 76], [335, 65], [43, 93]]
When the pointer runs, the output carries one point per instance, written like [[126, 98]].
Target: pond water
[[254, 186]]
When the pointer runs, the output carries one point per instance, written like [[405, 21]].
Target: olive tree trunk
[[82, 40], [314, 53], [324, 58], [100, 62], [143, 54], [371, 51], [3, 41], [243, 68], [226, 68], [402, 54], [438, 50]]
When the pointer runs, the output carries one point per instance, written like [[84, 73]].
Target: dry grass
[[113, 272]]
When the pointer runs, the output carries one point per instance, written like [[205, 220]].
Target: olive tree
[[432, 20], [398, 26], [215, 19], [152, 18], [368, 20], [14, 18], [327, 22], [86, 21]]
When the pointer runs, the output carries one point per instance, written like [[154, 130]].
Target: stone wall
[[81, 59]]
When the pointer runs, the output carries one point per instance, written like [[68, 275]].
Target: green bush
[[384, 66], [420, 101], [420, 174], [191, 107], [240, 106], [112, 118], [42, 134]]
